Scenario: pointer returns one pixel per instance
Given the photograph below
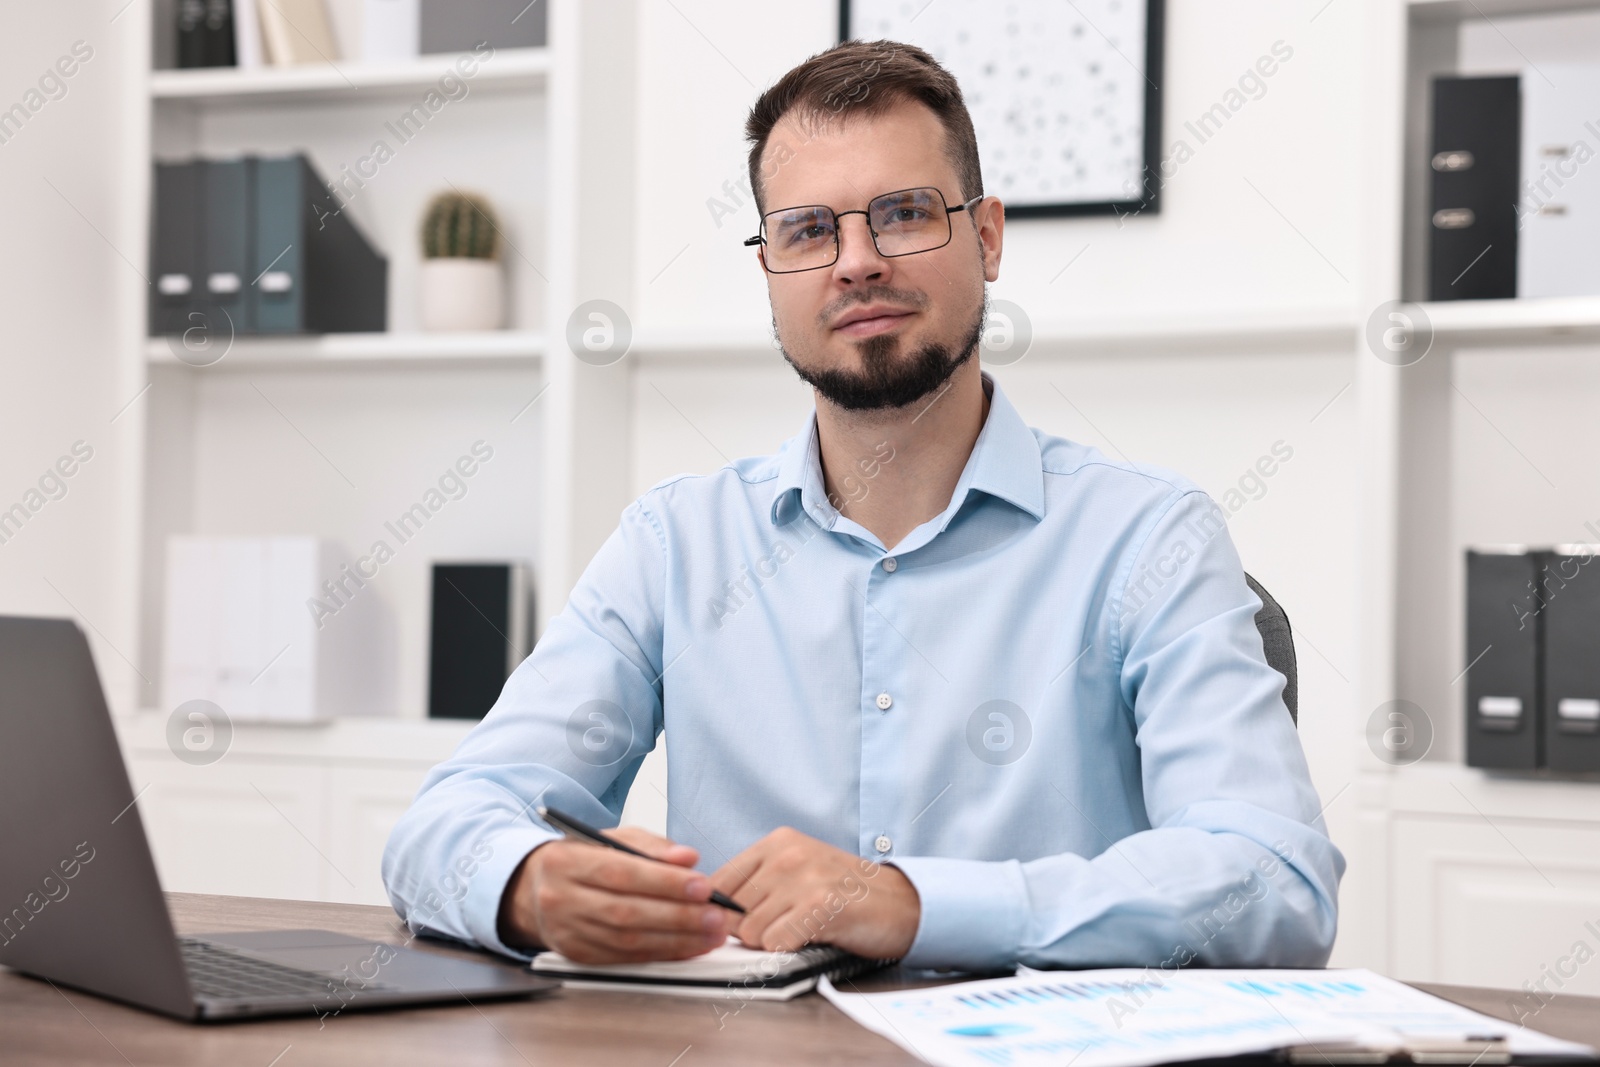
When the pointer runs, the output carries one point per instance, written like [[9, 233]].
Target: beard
[[888, 379]]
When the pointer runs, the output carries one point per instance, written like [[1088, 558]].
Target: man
[[938, 686]]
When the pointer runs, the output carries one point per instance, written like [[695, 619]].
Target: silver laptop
[[80, 903]]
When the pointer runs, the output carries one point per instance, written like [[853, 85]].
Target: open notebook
[[729, 971]]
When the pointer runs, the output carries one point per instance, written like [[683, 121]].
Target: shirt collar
[[1005, 463]]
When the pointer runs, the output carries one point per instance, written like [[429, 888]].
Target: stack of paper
[[1133, 1018]]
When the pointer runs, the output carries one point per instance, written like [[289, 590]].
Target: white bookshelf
[[329, 435], [1458, 874], [274, 437]]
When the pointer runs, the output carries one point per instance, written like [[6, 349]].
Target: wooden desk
[[41, 1025]]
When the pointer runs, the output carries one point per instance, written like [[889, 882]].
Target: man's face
[[873, 332]]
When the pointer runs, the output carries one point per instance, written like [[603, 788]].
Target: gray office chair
[[1277, 640]]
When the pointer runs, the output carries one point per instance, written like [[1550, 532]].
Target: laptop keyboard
[[216, 971]]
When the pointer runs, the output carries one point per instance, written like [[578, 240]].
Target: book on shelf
[[455, 26], [205, 33], [390, 30], [247, 35], [297, 31]]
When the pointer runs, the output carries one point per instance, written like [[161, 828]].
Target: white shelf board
[[1282, 331], [508, 69], [375, 740], [1316, 329], [1467, 10], [491, 347], [689, 343], [1439, 788], [1510, 323]]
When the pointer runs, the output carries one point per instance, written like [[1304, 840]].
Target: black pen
[[584, 832]]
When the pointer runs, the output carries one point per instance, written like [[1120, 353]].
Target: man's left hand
[[797, 890]]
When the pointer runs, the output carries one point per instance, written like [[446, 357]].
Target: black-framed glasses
[[902, 223]]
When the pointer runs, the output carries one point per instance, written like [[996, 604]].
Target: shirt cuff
[[974, 912], [480, 908]]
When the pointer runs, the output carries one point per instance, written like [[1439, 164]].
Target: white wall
[[75, 259], [1218, 245]]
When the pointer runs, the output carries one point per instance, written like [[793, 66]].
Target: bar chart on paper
[[1382, 1012], [1135, 1018], [1119, 1018]]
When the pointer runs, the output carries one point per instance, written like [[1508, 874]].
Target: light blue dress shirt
[[1048, 706]]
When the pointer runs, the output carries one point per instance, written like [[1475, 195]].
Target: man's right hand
[[597, 905]]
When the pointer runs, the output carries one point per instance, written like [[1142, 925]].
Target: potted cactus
[[462, 287]]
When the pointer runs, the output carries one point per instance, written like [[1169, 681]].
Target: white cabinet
[[1485, 887], [363, 804], [242, 827], [288, 811], [1498, 905]]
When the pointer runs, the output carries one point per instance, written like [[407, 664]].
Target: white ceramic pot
[[457, 293]]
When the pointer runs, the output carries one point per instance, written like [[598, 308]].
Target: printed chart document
[[1138, 1017], [1388, 1013]]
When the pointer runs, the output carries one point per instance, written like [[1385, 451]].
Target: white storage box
[[273, 629]]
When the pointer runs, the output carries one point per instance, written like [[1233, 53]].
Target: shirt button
[[885, 701], [882, 844], [890, 564]]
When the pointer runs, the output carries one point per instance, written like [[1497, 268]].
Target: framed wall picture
[[1065, 96]]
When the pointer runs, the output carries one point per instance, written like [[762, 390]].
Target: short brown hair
[[867, 78]]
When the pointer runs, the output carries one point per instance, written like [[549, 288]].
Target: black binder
[[1572, 659], [175, 282], [224, 277], [481, 630], [1504, 617], [1475, 165], [313, 271]]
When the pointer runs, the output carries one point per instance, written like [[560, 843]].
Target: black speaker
[[482, 627]]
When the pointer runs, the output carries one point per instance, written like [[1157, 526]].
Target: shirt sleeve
[[1237, 869], [572, 725]]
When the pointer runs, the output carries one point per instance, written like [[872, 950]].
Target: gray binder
[[1504, 618], [313, 271], [175, 247], [224, 283], [1572, 659]]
